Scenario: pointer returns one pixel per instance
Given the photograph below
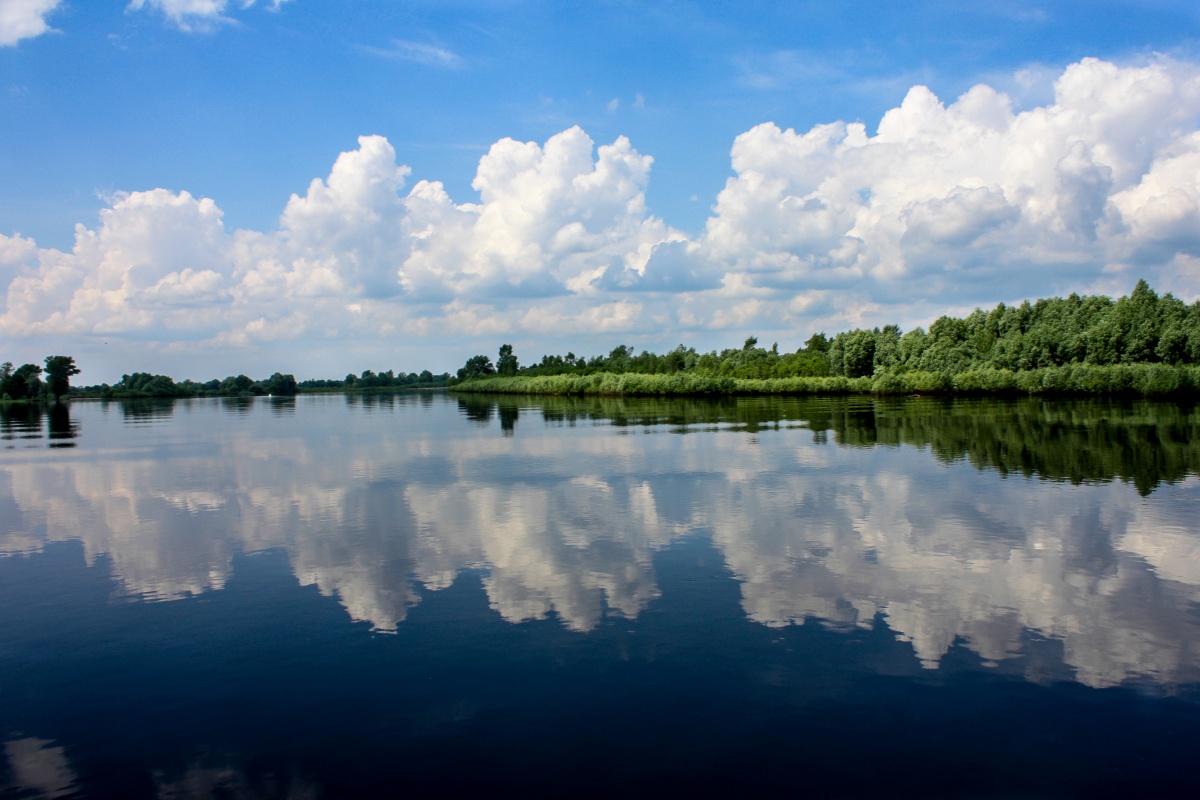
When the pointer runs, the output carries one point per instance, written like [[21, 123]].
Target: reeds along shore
[[1146, 380]]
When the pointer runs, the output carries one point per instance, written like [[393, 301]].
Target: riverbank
[[1146, 380]]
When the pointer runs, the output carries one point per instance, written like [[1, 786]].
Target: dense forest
[[1142, 343]]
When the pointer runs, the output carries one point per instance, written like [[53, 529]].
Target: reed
[[1147, 380]]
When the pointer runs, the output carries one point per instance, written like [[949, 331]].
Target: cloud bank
[[945, 206]]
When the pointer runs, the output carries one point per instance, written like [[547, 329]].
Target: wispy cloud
[[786, 68], [425, 53], [197, 16]]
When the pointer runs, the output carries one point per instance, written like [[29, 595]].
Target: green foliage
[[1142, 344], [370, 381], [604, 383], [1142, 328], [59, 370], [506, 363], [280, 385], [22, 383], [475, 367]]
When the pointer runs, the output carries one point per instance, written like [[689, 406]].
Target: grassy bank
[[1146, 380]]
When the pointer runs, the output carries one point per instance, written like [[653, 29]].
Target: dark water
[[406, 595]]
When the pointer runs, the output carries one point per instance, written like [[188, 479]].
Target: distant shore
[[1145, 380]]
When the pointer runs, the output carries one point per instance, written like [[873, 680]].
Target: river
[[354, 596]]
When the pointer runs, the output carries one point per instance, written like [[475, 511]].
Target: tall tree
[[59, 370], [507, 364]]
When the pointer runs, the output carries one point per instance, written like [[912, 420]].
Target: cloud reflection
[[39, 769], [377, 505]]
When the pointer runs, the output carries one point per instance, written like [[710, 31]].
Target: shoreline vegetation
[[24, 384], [1141, 344], [144, 384], [1147, 380]]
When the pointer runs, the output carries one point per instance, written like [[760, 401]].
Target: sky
[[209, 187]]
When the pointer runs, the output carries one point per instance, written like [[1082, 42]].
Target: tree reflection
[[380, 509]]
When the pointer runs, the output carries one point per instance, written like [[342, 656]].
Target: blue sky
[[482, 208]]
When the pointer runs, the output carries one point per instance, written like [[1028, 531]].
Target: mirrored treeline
[[747, 579]]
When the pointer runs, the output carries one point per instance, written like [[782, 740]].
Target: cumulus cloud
[[24, 19], [972, 184], [944, 206], [350, 251]]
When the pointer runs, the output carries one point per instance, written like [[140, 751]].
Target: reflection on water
[[282, 406], [22, 425], [982, 588], [38, 769], [1102, 554], [1078, 440]]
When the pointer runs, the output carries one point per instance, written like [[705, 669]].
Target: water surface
[[341, 596]]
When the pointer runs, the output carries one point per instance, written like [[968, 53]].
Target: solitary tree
[[506, 364], [59, 370]]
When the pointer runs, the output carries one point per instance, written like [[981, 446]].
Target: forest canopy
[[1143, 343]]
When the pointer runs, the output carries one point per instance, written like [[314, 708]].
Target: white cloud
[[196, 15], [24, 19], [1102, 177], [421, 52], [945, 206]]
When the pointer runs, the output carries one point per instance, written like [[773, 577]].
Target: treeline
[[25, 383], [146, 384], [1142, 328], [381, 380], [1142, 344], [751, 361]]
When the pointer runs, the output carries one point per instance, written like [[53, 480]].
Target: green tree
[[59, 370], [507, 364], [858, 353], [235, 386], [23, 383], [476, 367], [887, 348], [280, 385], [817, 343]]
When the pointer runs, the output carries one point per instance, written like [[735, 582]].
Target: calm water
[[356, 597]]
